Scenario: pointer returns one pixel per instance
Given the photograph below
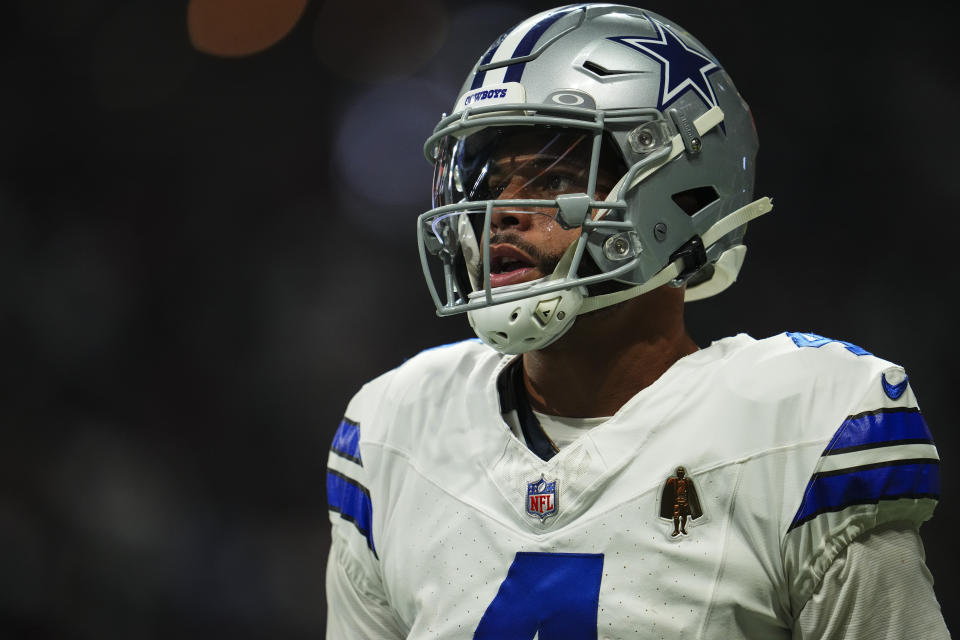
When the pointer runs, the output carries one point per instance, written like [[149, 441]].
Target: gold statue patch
[[679, 501]]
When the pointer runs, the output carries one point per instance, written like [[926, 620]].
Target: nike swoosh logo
[[893, 391]]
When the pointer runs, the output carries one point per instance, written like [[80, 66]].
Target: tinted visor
[[511, 173], [529, 162]]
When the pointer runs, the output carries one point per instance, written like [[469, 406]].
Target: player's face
[[527, 243]]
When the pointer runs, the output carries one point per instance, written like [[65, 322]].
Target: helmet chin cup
[[528, 324]]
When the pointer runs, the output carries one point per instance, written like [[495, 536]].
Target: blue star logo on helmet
[[683, 67]]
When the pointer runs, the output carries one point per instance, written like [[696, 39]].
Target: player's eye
[[558, 183]]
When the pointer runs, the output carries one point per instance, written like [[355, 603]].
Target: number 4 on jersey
[[555, 594]]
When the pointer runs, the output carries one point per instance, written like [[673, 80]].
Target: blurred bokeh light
[[378, 39], [232, 28], [379, 149]]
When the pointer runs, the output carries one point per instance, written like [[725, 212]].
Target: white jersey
[[709, 506]]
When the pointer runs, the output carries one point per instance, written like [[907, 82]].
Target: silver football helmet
[[615, 135]]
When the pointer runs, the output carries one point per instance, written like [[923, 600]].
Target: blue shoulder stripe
[[877, 428], [346, 441], [900, 479], [352, 501]]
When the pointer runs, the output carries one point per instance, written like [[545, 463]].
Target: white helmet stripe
[[515, 44]]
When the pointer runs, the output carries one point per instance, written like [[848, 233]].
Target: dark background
[[203, 256]]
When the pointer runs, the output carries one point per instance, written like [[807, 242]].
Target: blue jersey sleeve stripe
[[352, 501], [880, 427], [869, 485], [346, 441]]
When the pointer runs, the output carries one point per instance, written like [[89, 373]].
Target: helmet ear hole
[[692, 201]]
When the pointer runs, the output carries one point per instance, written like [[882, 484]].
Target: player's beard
[[544, 262]]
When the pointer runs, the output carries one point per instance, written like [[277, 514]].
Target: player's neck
[[608, 356]]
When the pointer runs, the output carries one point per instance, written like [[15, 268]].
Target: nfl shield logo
[[542, 498]]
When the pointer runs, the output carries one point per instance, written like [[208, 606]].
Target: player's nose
[[509, 218]]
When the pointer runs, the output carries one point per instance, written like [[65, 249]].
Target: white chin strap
[[673, 270], [534, 323]]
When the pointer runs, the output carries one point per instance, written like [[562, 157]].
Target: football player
[[583, 469]]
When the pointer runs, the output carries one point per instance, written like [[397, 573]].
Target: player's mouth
[[509, 265]]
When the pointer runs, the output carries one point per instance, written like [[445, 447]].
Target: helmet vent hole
[[692, 201], [514, 316], [593, 67]]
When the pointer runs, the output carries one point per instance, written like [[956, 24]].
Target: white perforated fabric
[[748, 420]]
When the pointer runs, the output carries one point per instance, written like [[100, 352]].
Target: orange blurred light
[[233, 28]]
